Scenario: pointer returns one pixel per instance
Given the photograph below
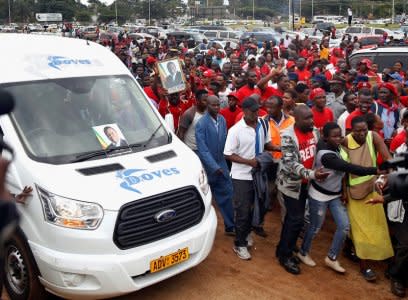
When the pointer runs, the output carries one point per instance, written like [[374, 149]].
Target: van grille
[[136, 224]]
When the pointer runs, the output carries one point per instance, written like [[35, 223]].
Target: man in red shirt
[[301, 71], [282, 82], [152, 90], [365, 100], [321, 113], [230, 113], [248, 89], [298, 146]]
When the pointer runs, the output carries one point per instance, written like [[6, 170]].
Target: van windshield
[[60, 121]]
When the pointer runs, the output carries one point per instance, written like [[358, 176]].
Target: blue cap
[[360, 78], [293, 76], [319, 78], [396, 76]]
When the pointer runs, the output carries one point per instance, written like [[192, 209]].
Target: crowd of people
[[290, 122]]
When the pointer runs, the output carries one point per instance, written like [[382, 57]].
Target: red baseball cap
[[290, 64], [366, 62], [317, 92], [390, 87], [363, 84], [233, 94], [151, 60], [209, 73]]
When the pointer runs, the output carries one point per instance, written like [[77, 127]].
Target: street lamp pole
[[116, 12], [312, 11], [149, 12], [300, 10], [9, 9], [253, 10], [393, 12]]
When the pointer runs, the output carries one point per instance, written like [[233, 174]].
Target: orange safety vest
[[276, 129]]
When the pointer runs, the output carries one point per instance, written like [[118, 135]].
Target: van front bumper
[[89, 276]]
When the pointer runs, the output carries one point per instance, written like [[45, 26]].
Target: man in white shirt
[[350, 16], [350, 101], [246, 139]]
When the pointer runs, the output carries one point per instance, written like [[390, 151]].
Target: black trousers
[[293, 223], [243, 201], [399, 267], [349, 20]]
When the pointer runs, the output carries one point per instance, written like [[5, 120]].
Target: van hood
[[139, 178]]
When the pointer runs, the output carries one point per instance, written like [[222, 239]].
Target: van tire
[[21, 272]]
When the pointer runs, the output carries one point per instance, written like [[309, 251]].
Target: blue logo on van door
[[132, 177], [57, 61]]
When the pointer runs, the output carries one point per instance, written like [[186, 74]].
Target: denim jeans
[[293, 223], [318, 211]]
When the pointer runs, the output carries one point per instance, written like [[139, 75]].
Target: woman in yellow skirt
[[369, 229]]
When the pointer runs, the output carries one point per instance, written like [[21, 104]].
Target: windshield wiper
[[89, 155], [152, 136]]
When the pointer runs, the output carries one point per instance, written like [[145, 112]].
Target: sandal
[[369, 275]]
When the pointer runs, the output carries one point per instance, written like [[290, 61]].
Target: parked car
[[90, 33], [384, 57], [180, 36], [222, 35], [370, 41], [260, 36]]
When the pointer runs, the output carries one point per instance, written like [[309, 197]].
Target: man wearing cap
[[364, 68], [246, 140], [249, 89], [335, 97], [211, 133], [251, 66], [231, 112], [321, 114]]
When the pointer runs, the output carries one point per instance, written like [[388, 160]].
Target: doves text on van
[[56, 61], [130, 178]]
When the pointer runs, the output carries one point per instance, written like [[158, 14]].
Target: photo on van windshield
[[57, 120], [110, 136]]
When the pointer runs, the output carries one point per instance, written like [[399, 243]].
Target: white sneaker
[[250, 240], [306, 259], [242, 252], [334, 264]]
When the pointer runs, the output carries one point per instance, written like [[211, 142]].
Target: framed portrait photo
[[171, 75]]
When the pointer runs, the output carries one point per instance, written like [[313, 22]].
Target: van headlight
[[203, 182], [70, 213]]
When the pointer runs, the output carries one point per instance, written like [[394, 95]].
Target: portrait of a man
[[171, 75], [114, 138]]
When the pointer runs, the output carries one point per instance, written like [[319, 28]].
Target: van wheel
[[21, 272]]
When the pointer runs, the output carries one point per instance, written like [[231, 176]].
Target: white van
[[119, 203]]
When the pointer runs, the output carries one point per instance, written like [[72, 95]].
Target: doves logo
[[57, 61], [132, 177]]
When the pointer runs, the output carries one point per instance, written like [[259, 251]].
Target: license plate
[[167, 261]]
